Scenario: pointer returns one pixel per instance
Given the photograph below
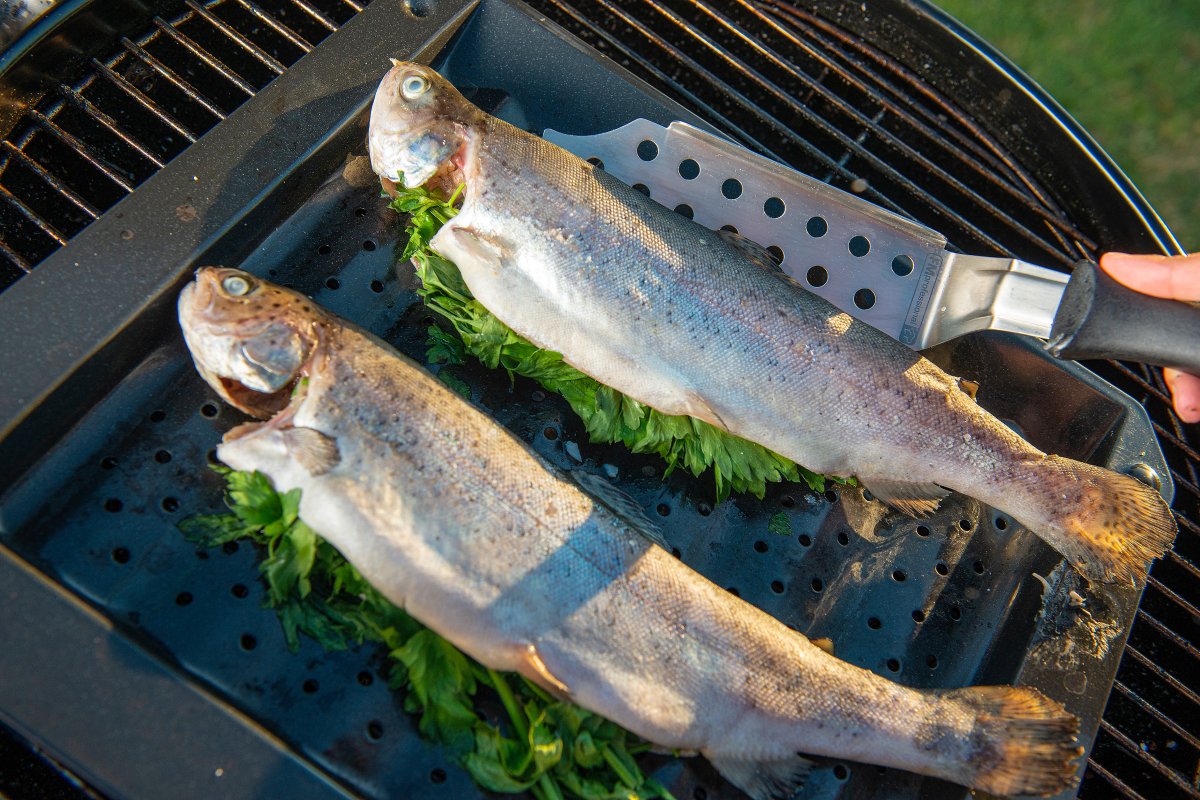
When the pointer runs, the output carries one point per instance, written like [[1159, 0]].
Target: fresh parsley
[[737, 465], [551, 749]]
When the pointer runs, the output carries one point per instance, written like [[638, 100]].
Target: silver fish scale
[[867, 261]]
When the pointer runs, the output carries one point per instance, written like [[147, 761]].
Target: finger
[[1175, 277], [1185, 391]]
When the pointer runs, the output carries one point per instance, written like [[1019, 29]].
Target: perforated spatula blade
[[878, 266]]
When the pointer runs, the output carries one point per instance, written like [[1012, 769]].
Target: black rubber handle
[[1100, 318]]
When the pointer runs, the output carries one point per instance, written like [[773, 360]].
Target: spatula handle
[[1100, 318]]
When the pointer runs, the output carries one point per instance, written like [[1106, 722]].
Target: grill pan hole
[[760, 546], [437, 776], [550, 433], [643, 188], [776, 253], [108, 462], [831, 495], [777, 587], [239, 590], [647, 150], [864, 299], [324, 250], [955, 613], [685, 210], [840, 772], [733, 591], [931, 661], [805, 540], [699, 793], [377, 287], [113, 504], [170, 504], [787, 501], [893, 665], [902, 265], [375, 730], [675, 551], [817, 585], [333, 283], [369, 246], [731, 189], [859, 246], [688, 169], [874, 623], [774, 207], [817, 276], [704, 509], [121, 555], [663, 510], [162, 456], [360, 212], [229, 548], [922, 530], [595, 162], [817, 227], [158, 415], [843, 538], [941, 569], [419, 8], [248, 642], [730, 228], [978, 567], [365, 678], [183, 599], [965, 524], [311, 686], [209, 410], [1001, 523], [899, 576], [918, 616]]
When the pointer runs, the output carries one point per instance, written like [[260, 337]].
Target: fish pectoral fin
[[314, 451], [532, 667], [764, 780], [697, 406], [914, 499], [825, 643], [752, 250], [464, 244], [620, 504]]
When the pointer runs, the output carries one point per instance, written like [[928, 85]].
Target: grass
[[1128, 71]]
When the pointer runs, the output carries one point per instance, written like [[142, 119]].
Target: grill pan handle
[[1100, 318]]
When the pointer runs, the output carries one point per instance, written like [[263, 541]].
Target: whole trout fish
[[458, 521], [683, 320]]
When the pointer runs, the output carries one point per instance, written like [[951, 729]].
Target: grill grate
[[800, 88], [824, 100], [86, 146]]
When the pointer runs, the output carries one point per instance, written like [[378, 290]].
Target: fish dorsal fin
[[764, 780], [620, 504], [752, 250], [312, 449], [914, 499]]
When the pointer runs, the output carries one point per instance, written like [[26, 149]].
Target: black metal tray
[[145, 666]]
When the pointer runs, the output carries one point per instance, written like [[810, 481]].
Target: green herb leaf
[[780, 525]]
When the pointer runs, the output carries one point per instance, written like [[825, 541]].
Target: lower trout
[[680, 318], [455, 519]]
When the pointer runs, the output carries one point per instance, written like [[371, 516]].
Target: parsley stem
[[520, 724], [549, 787]]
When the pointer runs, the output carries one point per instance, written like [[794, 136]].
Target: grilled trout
[[458, 521], [684, 320]]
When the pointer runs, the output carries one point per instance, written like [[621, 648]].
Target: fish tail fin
[[1028, 741], [1109, 526]]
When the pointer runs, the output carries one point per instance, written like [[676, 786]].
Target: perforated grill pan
[[146, 666]]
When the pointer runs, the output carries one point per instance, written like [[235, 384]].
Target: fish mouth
[[444, 178]]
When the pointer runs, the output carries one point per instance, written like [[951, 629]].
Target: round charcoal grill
[[890, 100]]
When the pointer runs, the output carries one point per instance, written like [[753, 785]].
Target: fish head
[[251, 341], [419, 122]]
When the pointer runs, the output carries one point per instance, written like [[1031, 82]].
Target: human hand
[[1175, 278]]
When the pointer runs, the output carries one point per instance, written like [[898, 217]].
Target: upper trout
[[683, 320], [455, 519]]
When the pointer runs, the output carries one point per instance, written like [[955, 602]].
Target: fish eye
[[414, 86], [235, 285]]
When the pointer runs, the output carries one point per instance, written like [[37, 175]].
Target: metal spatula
[[880, 267]]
